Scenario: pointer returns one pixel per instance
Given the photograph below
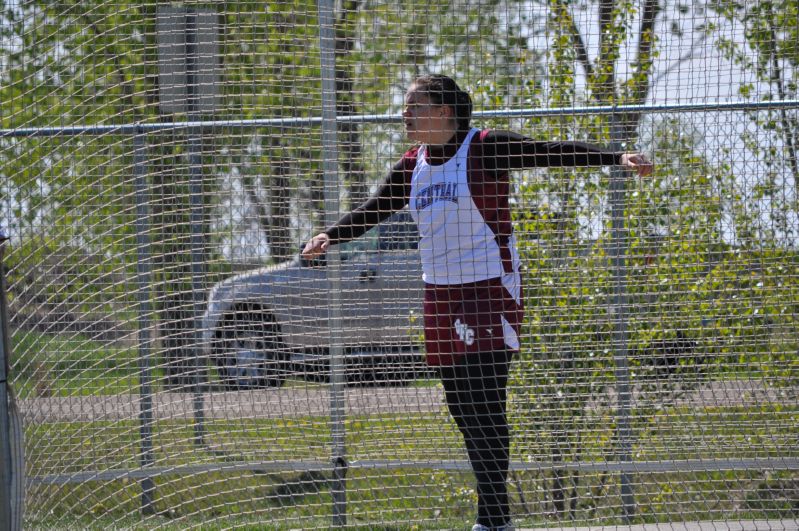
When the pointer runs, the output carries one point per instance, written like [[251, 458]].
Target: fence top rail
[[143, 128]]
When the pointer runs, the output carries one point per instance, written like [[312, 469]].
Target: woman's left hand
[[637, 163]]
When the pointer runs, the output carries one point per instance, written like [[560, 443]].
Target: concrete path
[[718, 525], [314, 400]]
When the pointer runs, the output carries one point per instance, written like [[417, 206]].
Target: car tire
[[249, 352]]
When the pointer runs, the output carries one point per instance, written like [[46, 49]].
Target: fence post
[[5, 441], [143, 289], [327, 46], [12, 446], [197, 209], [620, 313]]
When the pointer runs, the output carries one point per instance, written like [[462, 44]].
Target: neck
[[441, 153]]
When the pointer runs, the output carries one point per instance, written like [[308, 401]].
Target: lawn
[[411, 497], [231, 479]]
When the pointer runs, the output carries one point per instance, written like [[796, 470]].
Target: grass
[[395, 498], [294, 498], [377, 498], [71, 365]]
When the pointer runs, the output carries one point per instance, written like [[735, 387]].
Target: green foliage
[[709, 286], [770, 54]]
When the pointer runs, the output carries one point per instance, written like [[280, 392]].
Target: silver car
[[264, 325]]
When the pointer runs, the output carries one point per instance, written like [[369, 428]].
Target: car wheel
[[250, 353]]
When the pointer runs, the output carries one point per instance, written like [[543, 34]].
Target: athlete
[[455, 181]]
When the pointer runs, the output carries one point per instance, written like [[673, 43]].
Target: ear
[[447, 111]]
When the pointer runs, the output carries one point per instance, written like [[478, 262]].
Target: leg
[[476, 395]]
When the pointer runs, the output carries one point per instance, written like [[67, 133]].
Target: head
[[435, 109]]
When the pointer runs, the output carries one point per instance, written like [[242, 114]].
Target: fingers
[[638, 163], [643, 167], [312, 249], [316, 246]]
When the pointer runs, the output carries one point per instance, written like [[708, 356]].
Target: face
[[426, 122]]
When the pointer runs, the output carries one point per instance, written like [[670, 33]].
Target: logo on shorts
[[464, 332]]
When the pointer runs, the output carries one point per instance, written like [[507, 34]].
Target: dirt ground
[[315, 400]]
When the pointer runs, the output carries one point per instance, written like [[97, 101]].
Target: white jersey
[[456, 244]]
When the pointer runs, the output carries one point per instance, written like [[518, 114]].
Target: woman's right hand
[[316, 246]]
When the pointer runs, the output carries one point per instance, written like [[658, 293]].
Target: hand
[[637, 163], [316, 246]]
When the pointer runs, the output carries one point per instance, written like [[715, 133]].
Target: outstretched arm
[[505, 151], [388, 198]]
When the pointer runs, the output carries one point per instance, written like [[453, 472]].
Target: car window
[[367, 242], [398, 233]]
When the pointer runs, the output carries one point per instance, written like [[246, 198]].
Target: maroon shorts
[[464, 318]]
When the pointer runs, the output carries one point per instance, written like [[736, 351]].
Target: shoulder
[[409, 158], [402, 170], [498, 136], [412, 152], [491, 143], [496, 142], [481, 139]]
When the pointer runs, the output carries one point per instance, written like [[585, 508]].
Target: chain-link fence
[[177, 364]]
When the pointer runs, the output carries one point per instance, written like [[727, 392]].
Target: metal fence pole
[[314, 121], [620, 316], [6, 462], [327, 44], [12, 452], [144, 287], [197, 209]]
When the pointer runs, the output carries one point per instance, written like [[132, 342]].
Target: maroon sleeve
[[390, 196], [504, 151]]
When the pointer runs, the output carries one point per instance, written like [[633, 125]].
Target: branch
[[604, 86], [605, 19], [776, 78], [577, 38], [646, 40]]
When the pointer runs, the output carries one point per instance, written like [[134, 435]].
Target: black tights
[[475, 389]]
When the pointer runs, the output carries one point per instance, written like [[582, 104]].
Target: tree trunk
[[172, 267], [279, 230], [349, 135]]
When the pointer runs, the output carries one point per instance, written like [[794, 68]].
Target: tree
[[681, 267], [270, 70], [770, 51], [99, 66], [61, 67], [574, 209]]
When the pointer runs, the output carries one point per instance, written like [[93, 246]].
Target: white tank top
[[456, 244]]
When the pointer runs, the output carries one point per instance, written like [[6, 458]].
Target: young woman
[[455, 181]]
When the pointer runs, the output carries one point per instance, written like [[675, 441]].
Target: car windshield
[[367, 242], [397, 233]]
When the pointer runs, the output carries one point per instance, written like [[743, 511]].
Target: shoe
[[507, 527]]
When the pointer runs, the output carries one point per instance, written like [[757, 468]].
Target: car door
[[361, 314], [399, 279]]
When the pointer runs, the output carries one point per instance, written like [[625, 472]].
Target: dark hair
[[442, 90]]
